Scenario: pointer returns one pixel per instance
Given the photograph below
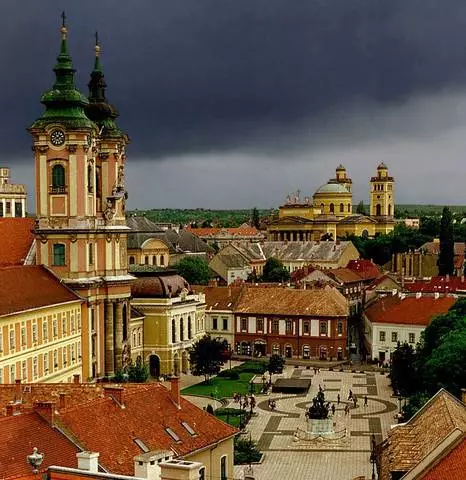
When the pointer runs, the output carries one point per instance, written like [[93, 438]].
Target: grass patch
[[219, 387], [233, 420]]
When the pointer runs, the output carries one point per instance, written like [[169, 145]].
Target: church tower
[[342, 177], [80, 229], [382, 204]]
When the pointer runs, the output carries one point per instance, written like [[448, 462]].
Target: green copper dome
[[332, 188], [64, 104], [98, 109]]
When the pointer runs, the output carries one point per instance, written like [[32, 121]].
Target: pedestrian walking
[[338, 399], [365, 400], [355, 401], [350, 395], [346, 409], [333, 409]]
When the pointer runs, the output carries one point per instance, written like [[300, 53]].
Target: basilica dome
[[332, 188]]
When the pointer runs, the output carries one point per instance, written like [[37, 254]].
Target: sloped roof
[[32, 286], [451, 467], [434, 247], [344, 275], [357, 218], [279, 301], [142, 224], [366, 269], [437, 284], [158, 286], [409, 310], [236, 232], [409, 443], [19, 434], [220, 298], [16, 238], [103, 426]]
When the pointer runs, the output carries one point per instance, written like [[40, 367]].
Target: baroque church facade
[[329, 213], [80, 231]]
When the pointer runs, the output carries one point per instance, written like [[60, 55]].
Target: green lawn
[[219, 387], [232, 420]]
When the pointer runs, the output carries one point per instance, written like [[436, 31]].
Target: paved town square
[[281, 434]]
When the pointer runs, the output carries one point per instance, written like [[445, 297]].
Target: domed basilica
[[329, 214]]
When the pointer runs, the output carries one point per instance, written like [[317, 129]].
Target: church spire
[[99, 110], [63, 102]]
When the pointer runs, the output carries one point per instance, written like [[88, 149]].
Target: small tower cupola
[[64, 104]]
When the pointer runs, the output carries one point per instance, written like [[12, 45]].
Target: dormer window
[[173, 434], [188, 428]]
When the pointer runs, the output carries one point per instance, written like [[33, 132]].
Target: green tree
[[194, 269], [206, 356], [138, 372], [403, 369], [360, 208], [275, 271], [255, 218], [275, 364], [415, 402], [446, 258]]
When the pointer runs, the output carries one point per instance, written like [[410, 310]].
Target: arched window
[[342, 208], [139, 337], [181, 329], [134, 342], [190, 333], [389, 210], [125, 322], [223, 468], [59, 254], [146, 259], [332, 208], [132, 260], [162, 260], [349, 207], [154, 259], [322, 208], [97, 182], [378, 209], [340, 328], [323, 328], [58, 178], [173, 331]]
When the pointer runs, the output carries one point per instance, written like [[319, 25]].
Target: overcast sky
[[236, 103]]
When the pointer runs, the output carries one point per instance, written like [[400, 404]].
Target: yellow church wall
[[338, 200], [152, 252], [41, 345]]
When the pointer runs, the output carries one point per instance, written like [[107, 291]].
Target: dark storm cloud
[[218, 75]]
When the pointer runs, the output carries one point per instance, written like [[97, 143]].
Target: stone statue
[[319, 409]]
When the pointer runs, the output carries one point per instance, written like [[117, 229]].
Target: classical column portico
[[109, 349]]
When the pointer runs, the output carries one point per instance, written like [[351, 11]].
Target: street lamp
[[373, 456]]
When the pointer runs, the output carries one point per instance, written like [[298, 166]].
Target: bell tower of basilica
[[81, 232]]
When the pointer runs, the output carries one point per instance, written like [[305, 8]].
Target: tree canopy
[[403, 370], [255, 218], [194, 269], [207, 355], [275, 271], [275, 364]]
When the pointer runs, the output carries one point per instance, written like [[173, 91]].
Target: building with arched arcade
[[329, 213]]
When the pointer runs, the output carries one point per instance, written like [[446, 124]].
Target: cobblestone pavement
[[292, 454]]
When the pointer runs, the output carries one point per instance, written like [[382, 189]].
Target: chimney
[[88, 461], [13, 409], [436, 295], [418, 295], [447, 277], [180, 470], [147, 465], [76, 378], [61, 401], [116, 393], [175, 391], [463, 395], [18, 395], [45, 410]]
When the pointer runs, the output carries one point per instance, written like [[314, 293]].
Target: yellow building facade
[[329, 213], [152, 252]]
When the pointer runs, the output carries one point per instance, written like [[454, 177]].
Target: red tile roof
[[437, 284], [19, 434], [328, 302], [344, 275], [237, 232], [366, 269], [408, 310], [15, 240], [220, 298], [27, 287], [450, 467], [103, 426]]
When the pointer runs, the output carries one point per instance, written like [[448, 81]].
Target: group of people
[[272, 403], [245, 401]]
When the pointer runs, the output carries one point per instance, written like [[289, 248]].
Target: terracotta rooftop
[[437, 284], [434, 247], [149, 416], [344, 275], [409, 310], [451, 467], [20, 290], [19, 434], [366, 269], [326, 302], [409, 443], [220, 298], [16, 238]]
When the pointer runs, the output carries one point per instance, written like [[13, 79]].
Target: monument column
[[109, 351], [118, 335]]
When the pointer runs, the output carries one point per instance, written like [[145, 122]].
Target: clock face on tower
[[57, 138]]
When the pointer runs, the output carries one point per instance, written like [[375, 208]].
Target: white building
[[12, 197], [399, 318]]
